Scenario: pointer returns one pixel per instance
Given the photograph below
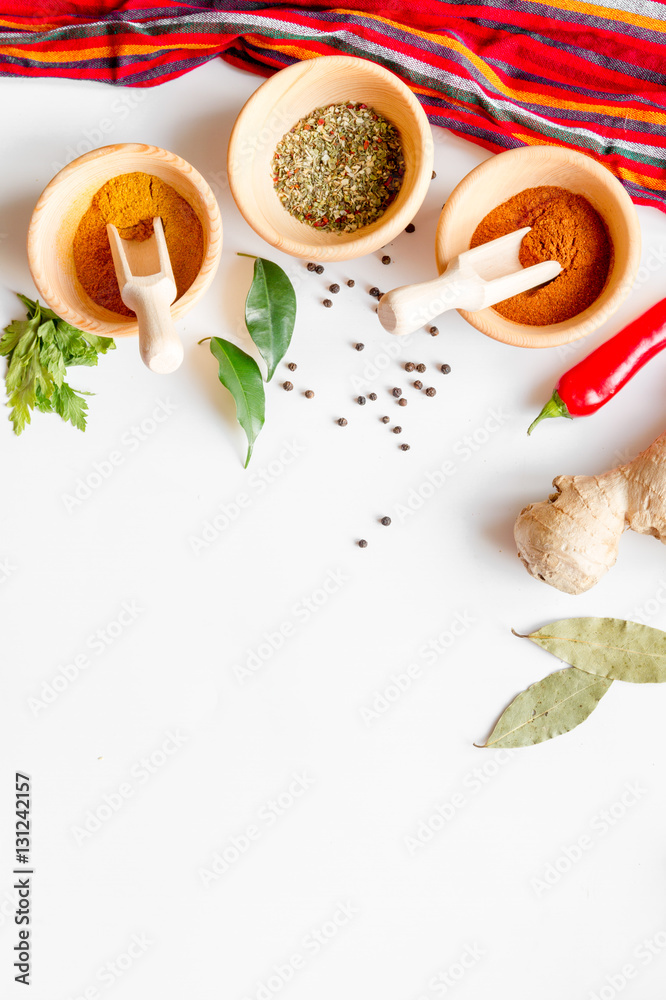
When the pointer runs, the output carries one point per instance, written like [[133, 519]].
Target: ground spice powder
[[130, 202], [566, 228]]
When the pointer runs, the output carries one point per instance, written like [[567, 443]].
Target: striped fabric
[[504, 73]]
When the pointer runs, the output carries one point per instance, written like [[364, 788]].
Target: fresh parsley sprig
[[39, 350]]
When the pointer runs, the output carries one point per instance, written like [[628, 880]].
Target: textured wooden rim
[[40, 233], [516, 334], [298, 77]]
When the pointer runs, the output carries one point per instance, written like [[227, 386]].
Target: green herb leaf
[[552, 706], [270, 312], [607, 647], [240, 374], [39, 350]]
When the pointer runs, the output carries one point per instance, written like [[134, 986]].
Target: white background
[[477, 888]]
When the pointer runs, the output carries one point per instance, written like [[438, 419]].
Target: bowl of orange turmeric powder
[[579, 214], [128, 184]]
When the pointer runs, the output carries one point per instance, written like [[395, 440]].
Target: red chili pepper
[[587, 386]]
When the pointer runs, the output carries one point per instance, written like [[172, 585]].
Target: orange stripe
[[289, 48], [636, 20], [79, 55]]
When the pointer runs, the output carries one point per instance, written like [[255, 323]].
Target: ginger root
[[571, 539]]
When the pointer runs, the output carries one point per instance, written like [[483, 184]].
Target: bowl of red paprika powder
[[580, 214], [127, 184]]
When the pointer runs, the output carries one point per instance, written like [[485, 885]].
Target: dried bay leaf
[[607, 647], [553, 706]]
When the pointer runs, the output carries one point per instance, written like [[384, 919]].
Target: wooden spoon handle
[[159, 344], [405, 309]]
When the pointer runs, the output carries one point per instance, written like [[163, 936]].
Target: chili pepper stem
[[555, 407]]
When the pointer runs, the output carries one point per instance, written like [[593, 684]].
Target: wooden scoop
[[473, 280], [147, 286]]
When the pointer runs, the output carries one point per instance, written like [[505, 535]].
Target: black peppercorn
[[342, 422], [433, 331], [311, 266], [418, 384], [402, 402], [359, 347], [397, 392], [397, 429], [309, 394], [372, 396], [421, 368], [410, 228], [431, 391], [362, 544], [334, 288], [327, 303], [351, 283], [374, 291], [446, 369], [288, 386], [433, 176], [319, 269], [386, 259], [386, 521], [292, 366], [361, 400], [410, 366], [404, 447], [385, 420]]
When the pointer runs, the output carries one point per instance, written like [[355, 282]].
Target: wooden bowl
[[495, 181], [65, 200], [276, 107]]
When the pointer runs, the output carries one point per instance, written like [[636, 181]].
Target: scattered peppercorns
[[433, 331], [402, 402], [288, 386], [361, 400], [404, 447], [385, 420], [372, 396], [342, 422], [421, 368], [292, 366], [431, 391], [386, 259], [362, 544], [319, 269], [311, 266], [410, 366], [327, 303], [374, 291], [309, 394], [418, 384], [445, 369], [410, 228], [397, 392], [334, 288], [359, 347], [351, 283], [386, 521], [397, 429]]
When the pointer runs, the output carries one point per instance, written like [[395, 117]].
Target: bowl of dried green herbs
[[330, 158]]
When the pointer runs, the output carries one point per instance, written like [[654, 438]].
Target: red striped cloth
[[503, 74]]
